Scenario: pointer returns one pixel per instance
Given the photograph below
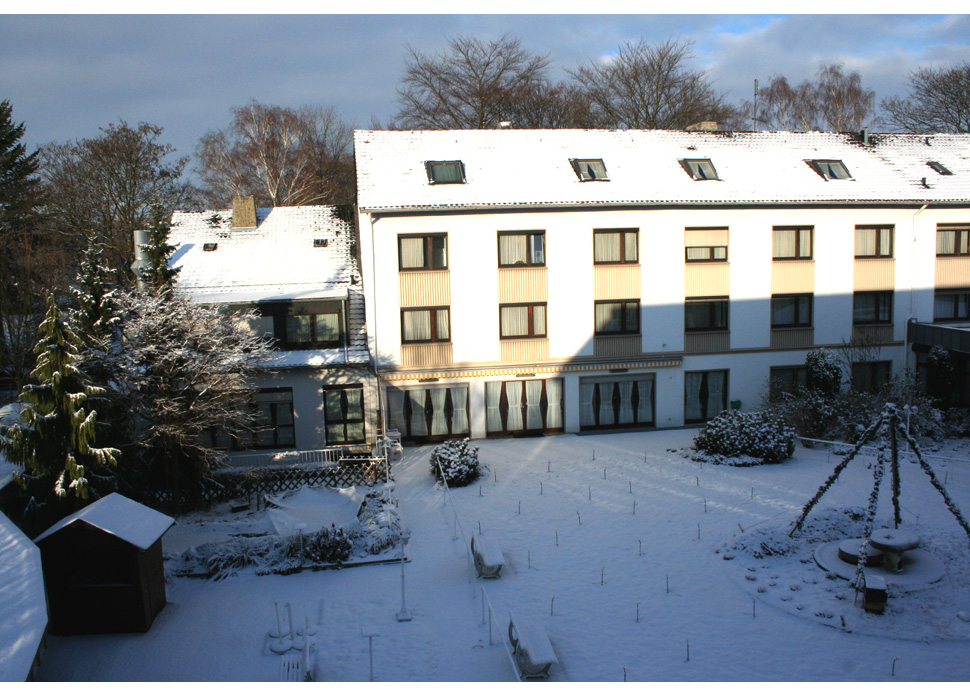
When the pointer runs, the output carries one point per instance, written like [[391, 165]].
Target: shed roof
[[119, 516], [24, 615], [531, 168]]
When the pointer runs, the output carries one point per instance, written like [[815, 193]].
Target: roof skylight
[[445, 172], [830, 169], [590, 169], [940, 169], [699, 169]]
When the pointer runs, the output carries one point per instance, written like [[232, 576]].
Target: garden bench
[[295, 667], [533, 651], [488, 557]]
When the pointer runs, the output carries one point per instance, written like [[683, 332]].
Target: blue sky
[[66, 76]]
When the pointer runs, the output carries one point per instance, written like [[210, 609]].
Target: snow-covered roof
[[529, 168], [119, 516], [24, 615], [283, 258]]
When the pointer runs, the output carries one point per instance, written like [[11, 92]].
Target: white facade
[[522, 181]]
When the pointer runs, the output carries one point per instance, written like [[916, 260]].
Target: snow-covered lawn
[[639, 563]]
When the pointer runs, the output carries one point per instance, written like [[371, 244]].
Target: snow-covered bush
[[757, 434], [822, 372], [378, 526], [456, 462]]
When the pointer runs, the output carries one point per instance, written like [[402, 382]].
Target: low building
[[23, 621]]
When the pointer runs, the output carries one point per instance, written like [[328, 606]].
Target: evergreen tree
[[55, 446], [159, 276]]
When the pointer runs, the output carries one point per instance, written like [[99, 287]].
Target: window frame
[[528, 234], [954, 293], [281, 312], [880, 230], [624, 329], [726, 390], [578, 164], [962, 233], [808, 324], [428, 247], [825, 168], [532, 333], [870, 367], [799, 230], [433, 311], [876, 294], [711, 258], [778, 385], [695, 167], [430, 165], [713, 302], [623, 232], [346, 420]]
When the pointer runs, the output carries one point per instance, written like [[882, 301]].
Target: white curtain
[[513, 393], [412, 252], [587, 416], [692, 395], [805, 244], [783, 243], [606, 247], [715, 393], [493, 407], [865, 242], [459, 404], [439, 422], [606, 403], [419, 424], [533, 409], [515, 321], [298, 328], [327, 327], [626, 402], [554, 403], [946, 241], [395, 411], [442, 329], [417, 325], [607, 317], [645, 401], [512, 249], [885, 241], [630, 246], [539, 320]]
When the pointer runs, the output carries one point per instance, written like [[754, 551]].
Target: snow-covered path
[[611, 562]]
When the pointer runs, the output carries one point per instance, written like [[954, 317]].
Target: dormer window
[[939, 168], [590, 169], [319, 243], [699, 169], [830, 169], [445, 172], [210, 246]]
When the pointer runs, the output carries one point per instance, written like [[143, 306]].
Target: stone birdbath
[[893, 543]]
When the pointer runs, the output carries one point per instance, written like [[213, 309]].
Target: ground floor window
[[343, 409], [786, 380], [611, 402], [521, 406], [705, 395], [428, 413], [274, 424], [870, 376]]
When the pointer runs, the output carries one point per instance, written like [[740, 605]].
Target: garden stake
[[705, 506], [740, 527], [697, 481], [698, 531], [529, 556], [634, 507], [549, 467], [604, 473], [496, 476], [520, 507], [638, 615], [552, 605], [894, 666], [753, 616], [479, 490], [578, 517], [557, 537], [540, 487], [639, 547], [483, 606], [589, 492], [688, 651], [668, 584], [631, 487], [624, 672], [479, 526], [602, 570], [594, 455], [752, 494]]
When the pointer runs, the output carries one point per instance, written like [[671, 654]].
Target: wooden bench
[[295, 667], [487, 556], [533, 651]]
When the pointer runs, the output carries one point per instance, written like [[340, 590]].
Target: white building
[[540, 281], [298, 265]]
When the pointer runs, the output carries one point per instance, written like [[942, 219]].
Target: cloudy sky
[[66, 76]]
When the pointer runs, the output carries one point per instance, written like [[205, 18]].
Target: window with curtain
[[791, 243], [870, 376], [308, 324], [428, 252], [706, 314], [873, 242], [616, 318], [446, 172], [952, 241], [705, 395], [521, 249], [611, 402], [872, 308], [518, 406], [522, 321], [615, 246], [344, 415], [791, 311], [951, 305], [426, 325], [785, 380], [700, 254]]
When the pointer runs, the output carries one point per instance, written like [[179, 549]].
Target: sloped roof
[[531, 168], [24, 615], [119, 516], [275, 261]]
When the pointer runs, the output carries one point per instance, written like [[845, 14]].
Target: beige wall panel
[[425, 289], [519, 351], [952, 272], [872, 335], [792, 338], [426, 355], [792, 276], [617, 346], [707, 279], [717, 237], [715, 342], [616, 282], [523, 285], [874, 274]]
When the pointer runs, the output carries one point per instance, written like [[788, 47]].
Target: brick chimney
[[243, 213]]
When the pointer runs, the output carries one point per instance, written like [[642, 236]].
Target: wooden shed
[[103, 567]]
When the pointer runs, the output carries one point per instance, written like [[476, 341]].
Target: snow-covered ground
[[639, 562]]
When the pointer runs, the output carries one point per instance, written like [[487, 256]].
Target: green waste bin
[[736, 405]]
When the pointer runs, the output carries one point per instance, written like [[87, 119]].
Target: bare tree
[[559, 105], [835, 101], [102, 189], [939, 101], [282, 156], [646, 86], [473, 84]]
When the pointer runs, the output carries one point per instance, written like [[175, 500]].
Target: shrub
[[758, 434], [822, 372], [455, 462]]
